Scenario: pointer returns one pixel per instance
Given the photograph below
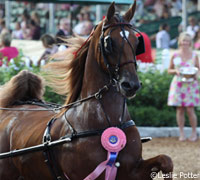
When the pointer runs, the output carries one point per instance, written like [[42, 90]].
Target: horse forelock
[[65, 74]]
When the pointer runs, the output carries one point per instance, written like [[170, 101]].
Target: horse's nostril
[[126, 86], [129, 86]]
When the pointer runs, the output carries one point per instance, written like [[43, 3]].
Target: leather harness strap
[[48, 153]]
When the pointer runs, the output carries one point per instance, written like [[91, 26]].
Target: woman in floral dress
[[184, 95]]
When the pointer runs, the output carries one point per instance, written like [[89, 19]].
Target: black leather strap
[[127, 124], [48, 155], [100, 131], [38, 103]]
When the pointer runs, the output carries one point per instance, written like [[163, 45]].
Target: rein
[[96, 95]]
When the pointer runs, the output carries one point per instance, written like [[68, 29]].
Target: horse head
[[117, 47]]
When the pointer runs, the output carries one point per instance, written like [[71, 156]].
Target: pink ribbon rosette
[[113, 140]]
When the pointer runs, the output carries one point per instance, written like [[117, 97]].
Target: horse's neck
[[95, 79]]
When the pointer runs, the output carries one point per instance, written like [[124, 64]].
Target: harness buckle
[[115, 83], [98, 95], [48, 138], [56, 110], [105, 87], [116, 68]]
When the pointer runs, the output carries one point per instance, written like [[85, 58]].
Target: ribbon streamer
[[107, 165], [113, 140]]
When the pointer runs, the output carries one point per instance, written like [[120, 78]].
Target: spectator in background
[[86, 16], [197, 40], [17, 32], [192, 6], [64, 30], [50, 46], [192, 28], [165, 13], [78, 27], [34, 31], [26, 31], [3, 27], [86, 29], [163, 37], [7, 50], [46, 22], [175, 7], [85, 25], [25, 19], [159, 7], [25, 24], [149, 3], [147, 55], [35, 17], [140, 8], [2, 10], [184, 95]]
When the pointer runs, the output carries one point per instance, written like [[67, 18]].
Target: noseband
[[107, 50]]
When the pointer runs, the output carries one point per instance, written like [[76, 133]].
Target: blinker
[[141, 46], [108, 44]]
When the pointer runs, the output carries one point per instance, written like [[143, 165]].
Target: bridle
[[106, 46]]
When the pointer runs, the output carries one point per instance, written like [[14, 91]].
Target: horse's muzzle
[[129, 88]]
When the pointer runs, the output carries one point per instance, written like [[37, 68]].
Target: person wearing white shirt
[[17, 32], [163, 37], [192, 28]]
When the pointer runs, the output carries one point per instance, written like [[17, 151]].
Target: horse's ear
[[130, 13], [111, 11]]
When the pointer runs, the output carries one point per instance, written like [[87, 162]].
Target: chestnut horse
[[97, 76]]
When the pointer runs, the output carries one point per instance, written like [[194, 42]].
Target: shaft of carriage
[[40, 147]]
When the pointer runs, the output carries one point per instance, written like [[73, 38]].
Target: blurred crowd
[[163, 40], [31, 22], [28, 26], [151, 10]]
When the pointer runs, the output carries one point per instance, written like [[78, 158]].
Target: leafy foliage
[[148, 108], [7, 71], [154, 91]]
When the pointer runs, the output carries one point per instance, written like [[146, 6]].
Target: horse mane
[[22, 87], [65, 74]]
